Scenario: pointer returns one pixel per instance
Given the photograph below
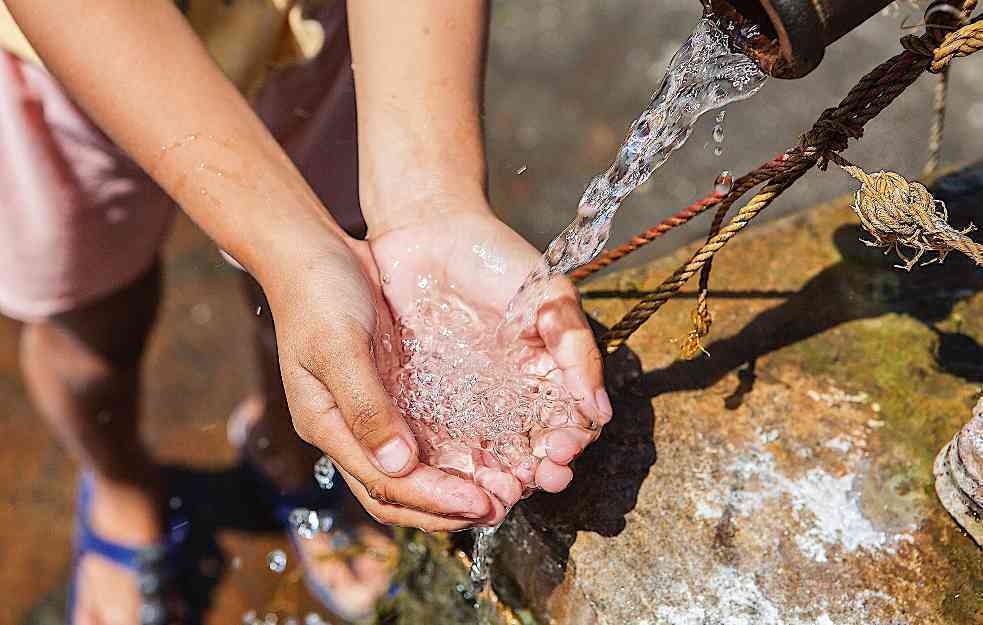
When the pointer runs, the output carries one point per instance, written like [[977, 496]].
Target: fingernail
[[604, 404], [393, 456]]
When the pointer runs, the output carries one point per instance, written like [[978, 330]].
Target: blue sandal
[[327, 504], [173, 577]]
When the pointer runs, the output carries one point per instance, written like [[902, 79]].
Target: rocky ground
[[783, 481]]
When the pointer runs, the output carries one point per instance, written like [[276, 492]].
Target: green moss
[[892, 359]]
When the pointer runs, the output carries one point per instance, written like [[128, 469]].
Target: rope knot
[[829, 135], [692, 344], [898, 213], [922, 45]]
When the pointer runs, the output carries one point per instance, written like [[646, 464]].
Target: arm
[[419, 79], [147, 80]]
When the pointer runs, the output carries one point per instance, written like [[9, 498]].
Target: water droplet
[[277, 561], [718, 151], [249, 618], [724, 183], [324, 473], [386, 278], [305, 522]]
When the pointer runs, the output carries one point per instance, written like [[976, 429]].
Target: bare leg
[[82, 369]]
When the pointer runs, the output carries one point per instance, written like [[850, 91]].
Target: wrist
[[271, 250], [427, 198]]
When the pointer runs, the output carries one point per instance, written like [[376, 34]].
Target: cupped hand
[[327, 305], [485, 262]]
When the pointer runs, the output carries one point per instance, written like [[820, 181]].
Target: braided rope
[[963, 42], [831, 134], [741, 186], [616, 337], [937, 132]]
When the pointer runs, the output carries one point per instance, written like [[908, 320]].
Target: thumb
[[349, 370]]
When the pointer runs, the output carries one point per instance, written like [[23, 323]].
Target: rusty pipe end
[[793, 35]]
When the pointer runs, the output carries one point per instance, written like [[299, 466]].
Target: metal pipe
[[792, 35]]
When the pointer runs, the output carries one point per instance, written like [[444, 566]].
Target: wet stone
[[786, 479]]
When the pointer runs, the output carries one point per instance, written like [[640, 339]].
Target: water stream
[[704, 75]]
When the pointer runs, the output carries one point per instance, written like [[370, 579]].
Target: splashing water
[[324, 473], [703, 75], [719, 133], [471, 400], [480, 558], [276, 560]]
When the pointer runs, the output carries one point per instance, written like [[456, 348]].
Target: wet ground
[[565, 78]]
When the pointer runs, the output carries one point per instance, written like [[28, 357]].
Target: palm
[[485, 262]]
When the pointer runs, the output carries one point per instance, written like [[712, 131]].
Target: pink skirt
[[79, 220]]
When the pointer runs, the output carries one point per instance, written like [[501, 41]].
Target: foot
[[350, 568], [352, 565], [105, 592]]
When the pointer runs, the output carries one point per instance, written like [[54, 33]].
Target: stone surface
[[785, 479]]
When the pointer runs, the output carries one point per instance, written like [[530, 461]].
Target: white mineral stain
[[839, 443], [827, 507], [734, 597]]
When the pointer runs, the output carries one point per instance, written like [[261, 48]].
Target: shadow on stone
[[534, 545], [864, 284]]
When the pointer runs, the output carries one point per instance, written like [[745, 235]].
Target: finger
[[320, 423], [525, 471], [392, 514], [568, 338], [553, 477], [506, 488], [496, 517], [349, 371], [561, 445]]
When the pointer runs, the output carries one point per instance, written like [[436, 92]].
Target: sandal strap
[[155, 566]]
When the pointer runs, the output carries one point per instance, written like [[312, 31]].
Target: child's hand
[[487, 261], [327, 305]]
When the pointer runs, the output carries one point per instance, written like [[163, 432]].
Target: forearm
[[147, 80], [419, 69]]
